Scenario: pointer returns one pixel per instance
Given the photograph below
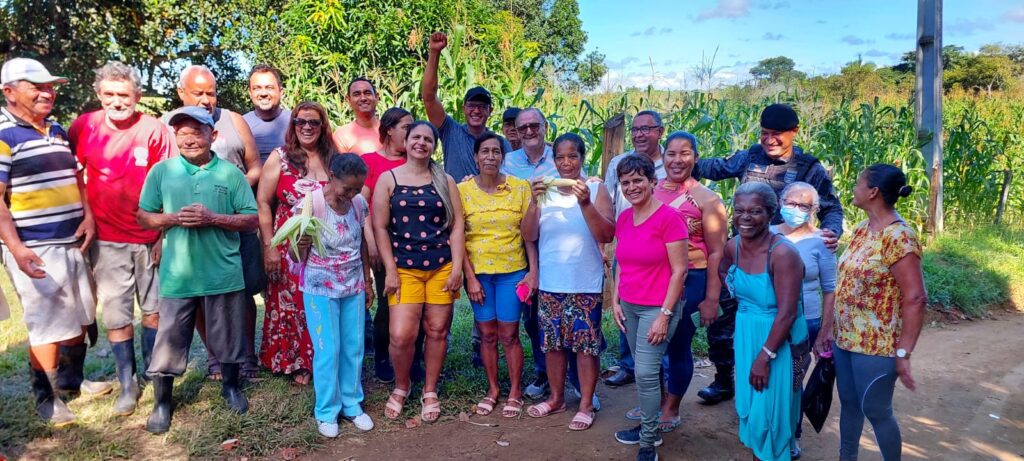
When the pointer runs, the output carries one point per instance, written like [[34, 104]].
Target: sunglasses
[[312, 123]]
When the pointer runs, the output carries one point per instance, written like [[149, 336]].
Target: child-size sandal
[[393, 403]]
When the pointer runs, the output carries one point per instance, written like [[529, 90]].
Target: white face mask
[[794, 216]]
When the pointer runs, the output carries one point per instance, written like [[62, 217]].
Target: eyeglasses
[[644, 130], [312, 123], [805, 207], [534, 127], [471, 107]]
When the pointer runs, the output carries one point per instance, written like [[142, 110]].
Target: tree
[[590, 70], [982, 72], [777, 69]]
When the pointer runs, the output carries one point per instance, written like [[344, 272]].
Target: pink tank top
[[679, 197]]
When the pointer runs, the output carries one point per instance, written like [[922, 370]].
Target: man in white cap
[[45, 225]]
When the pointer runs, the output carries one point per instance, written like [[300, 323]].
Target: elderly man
[[508, 127], [45, 225], [456, 139], [198, 87], [267, 120], [777, 162], [645, 132], [201, 203], [117, 146], [535, 158], [362, 135]]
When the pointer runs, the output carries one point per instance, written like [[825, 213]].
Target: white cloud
[[728, 9], [1014, 15], [771, 36], [968, 27], [855, 40], [899, 37]]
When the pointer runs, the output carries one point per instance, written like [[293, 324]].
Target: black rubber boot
[[231, 391], [163, 405], [148, 340], [722, 388], [71, 373], [124, 357], [49, 406]]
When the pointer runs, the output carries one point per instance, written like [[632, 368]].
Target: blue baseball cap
[[196, 113]]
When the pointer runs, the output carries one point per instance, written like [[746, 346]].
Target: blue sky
[[820, 36]]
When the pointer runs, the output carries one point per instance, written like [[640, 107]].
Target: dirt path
[[969, 406]]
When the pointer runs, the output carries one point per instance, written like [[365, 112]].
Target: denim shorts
[[500, 299]]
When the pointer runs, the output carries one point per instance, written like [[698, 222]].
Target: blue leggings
[[866, 384], [678, 361]]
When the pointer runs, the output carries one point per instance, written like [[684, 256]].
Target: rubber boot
[[148, 340], [49, 406], [722, 388], [230, 389], [163, 405], [124, 357], [71, 373]]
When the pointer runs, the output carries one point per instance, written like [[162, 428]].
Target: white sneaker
[[362, 422], [327, 429]]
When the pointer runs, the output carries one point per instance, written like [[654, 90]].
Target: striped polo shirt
[[39, 171]]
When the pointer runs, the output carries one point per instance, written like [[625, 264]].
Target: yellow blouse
[[493, 240]]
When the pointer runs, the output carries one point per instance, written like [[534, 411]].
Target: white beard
[[119, 115]]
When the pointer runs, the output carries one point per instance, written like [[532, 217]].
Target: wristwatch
[[902, 353], [667, 312], [771, 355]]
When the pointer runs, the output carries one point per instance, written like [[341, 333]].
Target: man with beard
[[117, 146], [45, 226], [456, 139], [198, 87], [201, 203], [360, 136], [268, 121]]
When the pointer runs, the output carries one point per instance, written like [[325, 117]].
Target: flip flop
[[586, 419], [430, 408], [635, 414], [393, 403], [486, 406], [543, 409], [517, 408], [670, 425]]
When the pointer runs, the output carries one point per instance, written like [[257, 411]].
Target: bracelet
[[771, 355]]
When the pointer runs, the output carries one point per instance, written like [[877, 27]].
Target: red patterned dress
[[286, 346]]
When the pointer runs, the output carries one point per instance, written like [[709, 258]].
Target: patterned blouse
[[868, 317], [339, 272], [493, 241]]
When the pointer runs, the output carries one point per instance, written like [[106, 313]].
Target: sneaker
[[537, 388], [362, 422], [384, 371], [327, 429], [632, 437], [647, 454]]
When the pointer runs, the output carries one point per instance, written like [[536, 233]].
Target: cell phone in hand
[[695, 317]]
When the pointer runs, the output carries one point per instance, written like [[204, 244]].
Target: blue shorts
[[500, 300]]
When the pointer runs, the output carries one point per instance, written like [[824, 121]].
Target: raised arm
[[597, 214], [530, 225], [434, 108]]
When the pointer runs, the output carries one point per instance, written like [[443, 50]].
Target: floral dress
[[286, 346]]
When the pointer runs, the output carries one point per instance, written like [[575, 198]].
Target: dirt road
[[969, 406]]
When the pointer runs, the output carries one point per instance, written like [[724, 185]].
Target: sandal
[[394, 405], [213, 372], [486, 406], [543, 409], [513, 408], [636, 414], [582, 421], [301, 377], [430, 408], [670, 425]]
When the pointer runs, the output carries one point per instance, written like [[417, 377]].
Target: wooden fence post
[[613, 140]]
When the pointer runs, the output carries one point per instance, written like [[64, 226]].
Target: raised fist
[[438, 41]]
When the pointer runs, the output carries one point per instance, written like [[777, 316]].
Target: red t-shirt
[[116, 163], [644, 270], [377, 165]]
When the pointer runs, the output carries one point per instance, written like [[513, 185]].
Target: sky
[[660, 42]]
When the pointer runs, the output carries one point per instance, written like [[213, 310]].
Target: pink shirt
[[351, 137], [116, 163], [377, 165], [642, 256], [680, 198]]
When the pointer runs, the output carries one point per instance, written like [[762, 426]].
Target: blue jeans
[[678, 361], [336, 329]]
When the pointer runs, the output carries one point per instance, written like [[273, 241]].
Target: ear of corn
[[553, 184], [303, 224]]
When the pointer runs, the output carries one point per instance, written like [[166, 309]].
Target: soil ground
[[969, 406]]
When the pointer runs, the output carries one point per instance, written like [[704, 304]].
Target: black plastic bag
[[817, 395]]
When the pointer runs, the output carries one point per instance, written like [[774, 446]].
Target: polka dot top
[[419, 238]]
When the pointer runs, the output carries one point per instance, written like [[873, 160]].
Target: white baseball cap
[[28, 70]]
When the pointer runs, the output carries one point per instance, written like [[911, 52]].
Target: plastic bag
[[817, 395]]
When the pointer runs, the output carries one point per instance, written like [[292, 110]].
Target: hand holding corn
[[302, 224], [542, 186]]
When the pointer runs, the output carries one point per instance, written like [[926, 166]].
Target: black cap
[[478, 93], [510, 114], [779, 117]]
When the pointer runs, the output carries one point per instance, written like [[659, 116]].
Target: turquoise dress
[[767, 418]]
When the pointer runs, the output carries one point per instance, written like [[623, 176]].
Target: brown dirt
[[969, 406]]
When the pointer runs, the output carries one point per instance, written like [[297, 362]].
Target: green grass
[[969, 271]]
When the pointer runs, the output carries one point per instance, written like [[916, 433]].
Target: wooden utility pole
[[613, 141], [928, 103]]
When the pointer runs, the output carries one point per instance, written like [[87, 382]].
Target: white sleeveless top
[[570, 260]]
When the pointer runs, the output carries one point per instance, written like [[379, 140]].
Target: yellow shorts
[[419, 286]]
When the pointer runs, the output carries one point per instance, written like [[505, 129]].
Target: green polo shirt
[[198, 261]]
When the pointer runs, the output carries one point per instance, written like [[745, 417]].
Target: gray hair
[[802, 186], [543, 119], [768, 198], [190, 69], [656, 116], [117, 71]]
